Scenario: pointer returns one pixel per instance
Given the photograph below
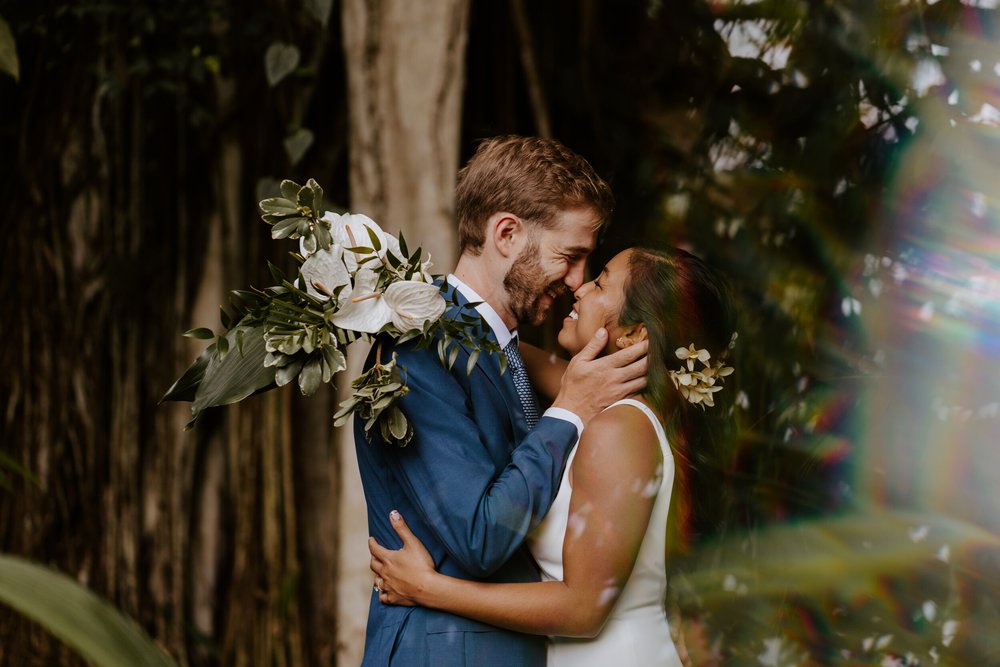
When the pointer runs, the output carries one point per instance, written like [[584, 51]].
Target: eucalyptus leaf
[[280, 60], [88, 624]]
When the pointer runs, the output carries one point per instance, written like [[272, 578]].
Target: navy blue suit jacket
[[471, 484]]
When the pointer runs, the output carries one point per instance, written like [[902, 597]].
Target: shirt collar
[[503, 335]]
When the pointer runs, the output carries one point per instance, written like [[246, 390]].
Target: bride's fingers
[[377, 550], [399, 524]]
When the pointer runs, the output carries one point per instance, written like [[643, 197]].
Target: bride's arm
[[545, 370], [619, 457]]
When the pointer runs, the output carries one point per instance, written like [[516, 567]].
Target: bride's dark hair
[[682, 300]]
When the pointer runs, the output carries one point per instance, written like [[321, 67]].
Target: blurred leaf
[[8, 52], [279, 61], [320, 9], [297, 144], [92, 627]]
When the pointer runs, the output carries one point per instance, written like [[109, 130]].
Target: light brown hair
[[532, 178]]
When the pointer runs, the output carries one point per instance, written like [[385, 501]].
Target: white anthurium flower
[[364, 309], [351, 230], [413, 303], [324, 271]]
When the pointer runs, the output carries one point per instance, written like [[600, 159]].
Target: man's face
[[552, 262]]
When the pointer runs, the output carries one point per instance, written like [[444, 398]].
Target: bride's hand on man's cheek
[[399, 573]]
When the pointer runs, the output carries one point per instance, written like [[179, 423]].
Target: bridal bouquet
[[354, 282]]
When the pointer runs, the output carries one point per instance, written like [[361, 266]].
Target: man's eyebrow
[[578, 250]]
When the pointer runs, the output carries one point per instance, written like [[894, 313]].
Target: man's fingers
[[593, 348], [630, 354]]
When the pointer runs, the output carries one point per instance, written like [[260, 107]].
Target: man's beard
[[525, 288]]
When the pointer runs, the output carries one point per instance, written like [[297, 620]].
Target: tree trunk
[[405, 64]]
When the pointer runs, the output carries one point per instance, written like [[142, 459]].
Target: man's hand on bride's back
[[592, 382]]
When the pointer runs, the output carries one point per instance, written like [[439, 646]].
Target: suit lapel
[[489, 365]]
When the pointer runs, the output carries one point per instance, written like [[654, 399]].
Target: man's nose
[[574, 279]]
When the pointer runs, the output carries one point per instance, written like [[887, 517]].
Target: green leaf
[[93, 628], [201, 333], [311, 376], [285, 227], [297, 143], [280, 60], [278, 205], [231, 378], [320, 9], [8, 52], [227, 321], [317, 195], [452, 356], [290, 190], [222, 345], [473, 358], [397, 423], [376, 242], [186, 386], [276, 272], [286, 374]]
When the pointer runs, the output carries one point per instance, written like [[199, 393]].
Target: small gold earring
[[622, 342]]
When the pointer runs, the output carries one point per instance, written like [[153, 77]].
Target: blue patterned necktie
[[520, 376]]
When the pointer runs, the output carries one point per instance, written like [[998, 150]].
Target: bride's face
[[598, 304]]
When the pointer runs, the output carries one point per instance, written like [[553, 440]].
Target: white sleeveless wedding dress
[[636, 633]]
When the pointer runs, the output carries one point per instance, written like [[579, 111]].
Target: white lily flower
[[324, 272], [413, 303], [364, 309]]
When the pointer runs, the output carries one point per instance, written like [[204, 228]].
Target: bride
[[602, 547]]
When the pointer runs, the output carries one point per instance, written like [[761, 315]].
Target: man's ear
[[508, 233], [631, 335]]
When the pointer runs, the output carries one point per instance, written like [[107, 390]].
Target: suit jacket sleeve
[[448, 472]]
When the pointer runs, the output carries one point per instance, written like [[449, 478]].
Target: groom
[[483, 468]]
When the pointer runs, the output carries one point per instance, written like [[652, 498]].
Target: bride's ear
[[632, 335]]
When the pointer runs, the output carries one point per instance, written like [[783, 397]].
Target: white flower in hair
[[699, 386]]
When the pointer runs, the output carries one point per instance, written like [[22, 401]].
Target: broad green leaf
[[186, 386], [297, 144], [88, 624], [232, 378], [8, 52], [280, 60], [278, 205], [202, 333]]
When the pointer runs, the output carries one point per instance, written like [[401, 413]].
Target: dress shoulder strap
[[657, 426]]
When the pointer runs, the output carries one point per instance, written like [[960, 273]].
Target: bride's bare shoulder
[[621, 429]]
